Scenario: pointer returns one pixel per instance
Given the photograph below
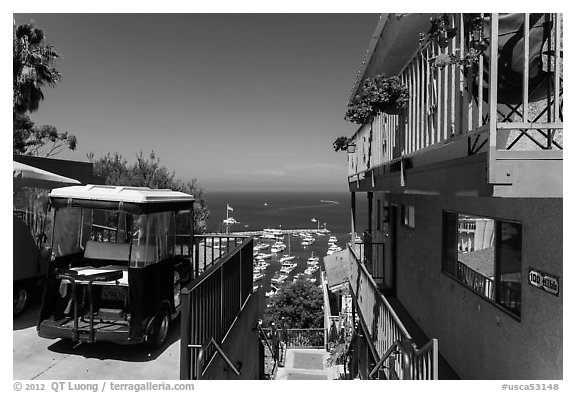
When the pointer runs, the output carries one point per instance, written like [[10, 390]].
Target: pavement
[[36, 358], [307, 364]]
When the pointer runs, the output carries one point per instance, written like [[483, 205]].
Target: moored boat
[[287, 267], [279, 278]]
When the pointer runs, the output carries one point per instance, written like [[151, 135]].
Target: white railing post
[[493, 101]]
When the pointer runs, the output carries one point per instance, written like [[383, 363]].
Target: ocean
[[255, 211]]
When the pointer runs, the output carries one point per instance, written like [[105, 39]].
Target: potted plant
[[383, 94], [341, 143], [389, 95]]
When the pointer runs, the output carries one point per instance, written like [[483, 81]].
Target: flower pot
[[393, 109]]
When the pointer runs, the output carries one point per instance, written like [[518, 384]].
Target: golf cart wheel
[[160, 327], [21, 296]]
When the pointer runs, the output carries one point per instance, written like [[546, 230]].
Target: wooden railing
[[445, 106], [211, 303], [384, 331]]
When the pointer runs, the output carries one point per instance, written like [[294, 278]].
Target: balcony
[[371, 253], [515, 133]]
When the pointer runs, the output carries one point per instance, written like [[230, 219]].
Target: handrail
[[266, 341], [407, 354], [212, 302], [387, 305], [262, 334], [219, 350], [384, 322]]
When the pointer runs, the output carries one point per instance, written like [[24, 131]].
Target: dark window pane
[[450, 243], [510, 269]]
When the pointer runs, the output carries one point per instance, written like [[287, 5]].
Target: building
[[464, 185]]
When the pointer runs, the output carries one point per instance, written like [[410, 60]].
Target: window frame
[[405, 216], [451, 271]]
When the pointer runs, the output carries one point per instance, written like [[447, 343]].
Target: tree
[[33, 68], [299, 303], [147, 172]]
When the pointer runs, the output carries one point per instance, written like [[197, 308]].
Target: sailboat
[[229, 220], [288, 257]]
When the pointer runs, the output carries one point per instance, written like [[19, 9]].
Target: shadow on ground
[[29, 316], [129, 353]]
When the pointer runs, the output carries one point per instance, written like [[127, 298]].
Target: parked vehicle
[[30, 230], [30, 259], [116, 270]]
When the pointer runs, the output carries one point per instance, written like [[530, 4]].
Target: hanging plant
[[389, 95], [383, 94], [441, 33], [341, 143]]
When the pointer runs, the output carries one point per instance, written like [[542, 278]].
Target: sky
[[238, 101]]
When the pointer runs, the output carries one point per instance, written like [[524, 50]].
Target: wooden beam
[[493, 102]]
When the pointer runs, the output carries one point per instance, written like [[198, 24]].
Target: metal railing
[[207, 248], [211, 303], [415, 364], [306, 338], [507, 294], [446, 104], [384, 330], [476, 281], [372, 255], [301, 338], [203, 349], [102, 233]]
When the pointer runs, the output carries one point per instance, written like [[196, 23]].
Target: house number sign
[[546, 282]]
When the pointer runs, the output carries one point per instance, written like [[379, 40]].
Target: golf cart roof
[[136, 200]]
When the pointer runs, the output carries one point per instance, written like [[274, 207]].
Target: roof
[[336, 266], [130, 199], [481, 261]]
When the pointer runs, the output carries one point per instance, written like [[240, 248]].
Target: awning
[[336, 266], [29, 176]]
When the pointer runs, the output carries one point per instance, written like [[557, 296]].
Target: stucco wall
[[479, 339]]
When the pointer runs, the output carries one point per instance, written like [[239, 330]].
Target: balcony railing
[[371, 254], [211, 303], [509, 293], [386, 335], [446, 104]]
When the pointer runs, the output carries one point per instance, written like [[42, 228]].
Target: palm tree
[[33, 67]]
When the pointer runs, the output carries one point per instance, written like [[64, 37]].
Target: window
[[379, 215], [386, 212], [408, 214], [486, 256]]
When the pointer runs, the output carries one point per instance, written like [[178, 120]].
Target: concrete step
[[306, 364]]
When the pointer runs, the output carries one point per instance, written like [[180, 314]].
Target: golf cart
[[116, 271]]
